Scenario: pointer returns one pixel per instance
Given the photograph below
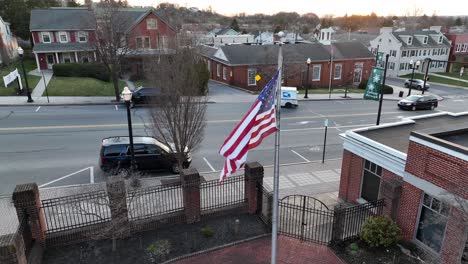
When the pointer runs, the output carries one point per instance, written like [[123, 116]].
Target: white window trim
[[319, 73], [254, 80], [224, 73], [48, 34], [218, 70], [164, 42], [61, 33], [341, 70], [155, 23], [82, 33], [465, 47]]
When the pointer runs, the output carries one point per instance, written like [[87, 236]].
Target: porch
[[46, 60]]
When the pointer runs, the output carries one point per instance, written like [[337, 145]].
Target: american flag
[[258, 123]]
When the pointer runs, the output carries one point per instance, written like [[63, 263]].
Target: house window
[[164, 42], [413, 53], [432, 222], [218, 70], [465, 47], [316, 72], [66, 58], [425, 40], [458, 48], [251, 77], [142, 42], [337, 73], [402, 66], [441, 39], [404, 53], [371, 181], [410, 41], [391, 65], [151, 23], [424, 53], [46, 37], [63, 37], [224, 73], [82, 36], [393, 53]]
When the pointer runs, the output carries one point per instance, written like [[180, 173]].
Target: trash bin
[[400, 94]]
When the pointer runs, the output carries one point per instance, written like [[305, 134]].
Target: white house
[[8, 43], [416, 45]]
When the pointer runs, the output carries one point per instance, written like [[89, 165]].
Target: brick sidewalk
[[259, 251]]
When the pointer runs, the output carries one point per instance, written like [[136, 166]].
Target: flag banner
[[258, 123], [380, 59], [373, 84]]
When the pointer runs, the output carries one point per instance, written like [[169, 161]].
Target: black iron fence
[[76, 211], [214, 195]]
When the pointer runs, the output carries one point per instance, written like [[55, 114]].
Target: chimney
[[89, 4]]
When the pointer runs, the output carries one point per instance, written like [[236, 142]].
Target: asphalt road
[[59, 145], [447, 92]]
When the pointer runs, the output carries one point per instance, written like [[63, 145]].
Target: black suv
[[414, 102], [145, 95], [150, 154]]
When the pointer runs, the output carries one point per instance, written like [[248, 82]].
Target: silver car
[[416, 83]]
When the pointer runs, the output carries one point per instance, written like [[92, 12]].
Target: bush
[[158, 250], [387, 90], [207, 231], [92, 70], [380, 231]]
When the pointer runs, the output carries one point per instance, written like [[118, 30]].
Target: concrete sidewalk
[[46, 75]]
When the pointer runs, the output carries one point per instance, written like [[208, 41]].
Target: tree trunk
[[115, 81]]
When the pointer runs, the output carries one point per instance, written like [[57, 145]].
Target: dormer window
[[63, 37], [151, 23], [410, 41], [425, 40], [82, 36], [441, 39], [46, 37]]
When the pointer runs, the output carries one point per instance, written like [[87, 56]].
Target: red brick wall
[[408, 210], [387, 176], [141, 30], [441, 169], [454, 241], [351, 174]]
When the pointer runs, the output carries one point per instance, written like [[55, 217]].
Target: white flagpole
[[274, 231]]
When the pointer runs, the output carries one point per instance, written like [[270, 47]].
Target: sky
[[323, 7]]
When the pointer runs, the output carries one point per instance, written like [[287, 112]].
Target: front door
[[357, 77], [50, 61]]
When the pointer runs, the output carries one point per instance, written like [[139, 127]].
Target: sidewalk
[[40, 87]]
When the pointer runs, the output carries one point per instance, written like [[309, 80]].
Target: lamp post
[[307, 78], [21, 54], [428, 61], [413, 67], [127, 96]]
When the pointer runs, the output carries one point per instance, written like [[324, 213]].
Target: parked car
[[415, 102], [145, 95], [150, 154], [416, 83]]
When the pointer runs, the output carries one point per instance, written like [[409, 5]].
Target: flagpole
[[331, 65], [274, 231]]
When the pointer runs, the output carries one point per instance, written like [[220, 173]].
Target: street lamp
[[413, 67], [127, 96], [21, 53], [307, 78]]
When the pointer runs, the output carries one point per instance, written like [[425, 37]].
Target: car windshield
[[413, 98]]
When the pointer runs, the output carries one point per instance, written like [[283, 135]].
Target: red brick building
[[458, 51], [420, 167], [238, 65]]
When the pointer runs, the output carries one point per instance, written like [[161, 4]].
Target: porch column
[[76, 57], [37, 62], [95, 59], [57, 57]]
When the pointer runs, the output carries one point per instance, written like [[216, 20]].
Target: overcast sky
[[323, 7]]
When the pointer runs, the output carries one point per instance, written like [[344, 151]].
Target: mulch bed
[[183, 239], [368, 255]]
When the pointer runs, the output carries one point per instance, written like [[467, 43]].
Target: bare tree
[[111, 46], [177, 118]]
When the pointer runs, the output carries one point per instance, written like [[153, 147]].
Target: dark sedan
[[415, 102]]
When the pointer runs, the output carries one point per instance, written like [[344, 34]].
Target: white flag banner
[[11, 77]]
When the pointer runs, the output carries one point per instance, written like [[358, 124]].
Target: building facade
[[8, 43], [458, 51], [417, 45], [238, 65], [420, 167]]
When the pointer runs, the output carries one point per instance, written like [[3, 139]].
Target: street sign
[[258, 77]]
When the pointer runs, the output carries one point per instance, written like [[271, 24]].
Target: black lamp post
[[307, 78], [413, 67], [127, 96], [21, 54]]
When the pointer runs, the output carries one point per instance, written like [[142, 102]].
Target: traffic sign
[[258, 77]]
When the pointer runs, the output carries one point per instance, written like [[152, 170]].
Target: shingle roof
[[52, 47], [61, 19], [350, 50], [416, 43]]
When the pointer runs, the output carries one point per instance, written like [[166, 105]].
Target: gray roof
[[362, 38], [206, 51], [397, 137], [416, 43], [52, 47], [350, 50], [61, 19]]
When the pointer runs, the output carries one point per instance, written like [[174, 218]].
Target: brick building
[[420, 166], [458, 51], [239, 64]]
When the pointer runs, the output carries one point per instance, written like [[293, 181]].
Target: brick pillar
[[338, 224], [253, 181], [191, 190], [12, 249], [117, 193], [391, 191], [28, 209]]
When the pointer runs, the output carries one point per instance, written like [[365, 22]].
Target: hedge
[[386, 90], [93, 70]]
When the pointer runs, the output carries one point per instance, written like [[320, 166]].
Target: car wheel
[[419, 87], [432, 107], [175, 168], [413, 108], [288, 105], [406, 85]]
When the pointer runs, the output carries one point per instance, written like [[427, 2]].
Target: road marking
[[321, 128], [37, 109], [143, 124], [209, 165], [64, 177], [91, 174], [116, 108], [459, 100], [300, 156]]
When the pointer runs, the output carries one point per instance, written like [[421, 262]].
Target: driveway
[[221, 93]]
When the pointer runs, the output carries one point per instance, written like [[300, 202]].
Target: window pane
[[435, 205], [370, 186], [373, 166], [445, 209], [427, 200], [113, 150], [367, 165], [431, 229], [379, 170]]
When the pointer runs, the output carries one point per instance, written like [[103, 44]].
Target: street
[[59, 145]]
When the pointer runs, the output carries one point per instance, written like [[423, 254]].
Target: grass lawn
[[334, 91], [75, 86], [456, 75], [30, 65], [436, 79]]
